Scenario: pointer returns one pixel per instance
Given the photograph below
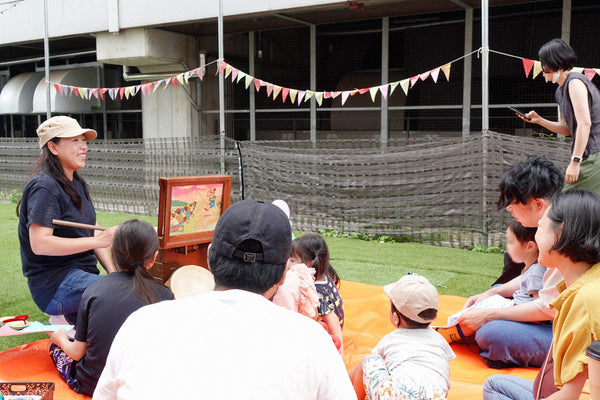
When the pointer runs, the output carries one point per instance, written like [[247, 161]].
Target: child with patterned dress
[[312, 251], [411, 362]]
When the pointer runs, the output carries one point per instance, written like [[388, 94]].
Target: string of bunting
[[294, 95]]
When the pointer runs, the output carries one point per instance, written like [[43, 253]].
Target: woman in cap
[[60, 261]]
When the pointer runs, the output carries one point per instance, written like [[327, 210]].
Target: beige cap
[[412, 294], [62, 127]]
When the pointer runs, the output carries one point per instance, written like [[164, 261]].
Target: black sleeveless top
[[566, 110]]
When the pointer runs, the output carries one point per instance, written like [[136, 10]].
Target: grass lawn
[[452, 271]]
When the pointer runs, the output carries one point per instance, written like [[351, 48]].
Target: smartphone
[[521, 113]]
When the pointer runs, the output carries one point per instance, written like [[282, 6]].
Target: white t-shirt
[[549, 292], [420, 355], [222, 345]]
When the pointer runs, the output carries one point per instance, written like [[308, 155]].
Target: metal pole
[[313, 83], [385, 40], [221, 91], [484, 66], [467, 80], [47, 61]]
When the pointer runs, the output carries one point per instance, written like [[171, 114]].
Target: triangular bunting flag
[[166, 81], [384, 90], [293, 93], [527, 64], [148, 87], [228, 70], [537, 68], [335, 94], [74, 90], [135, 89], [121, 91], [435, 73], [112, 93], [404, 85], [249, 80], [56, 88], [174, 81], [83, 93], [424, 75], [345, 96], [127, 91], [102, 91], [257, 84], [180, 79], [222, 66], [373, 92], [308, 95], [94, 93], [446, 69], [234, 74], [414, 80], [156, 85], [319, 97], [393, 86], [589, 73], [269, 89], [186, 76], [276, 90], [240, 76], [301, 94], [327, 95], [200, 73], [284, 94], [578, 69], [363, 91]]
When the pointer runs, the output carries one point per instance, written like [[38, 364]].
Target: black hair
[[235, 273], [576, 214], [313, 248], [535, 177], [557, 54], [134, 243], [50, 165], [523, 234], [430, 313]]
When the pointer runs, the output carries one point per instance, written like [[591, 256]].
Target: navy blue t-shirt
[[105, 306], [44, 200]]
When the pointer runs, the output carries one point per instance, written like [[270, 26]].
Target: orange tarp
[[366, 308]]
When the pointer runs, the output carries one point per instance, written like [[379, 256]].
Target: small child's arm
[[333, 323], [75, 349]]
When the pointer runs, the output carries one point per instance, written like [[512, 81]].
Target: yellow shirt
[[576, 324]]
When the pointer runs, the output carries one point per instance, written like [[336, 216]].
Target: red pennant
[[222, 67], [284, 94], [257, 84], [527, 65], [56, 87], [174, 81], [75, 90], [589, 73], [101, 93], [121, 91], [363, 91], [327, 95], [414, 80]]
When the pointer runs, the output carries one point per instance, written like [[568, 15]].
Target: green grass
[[452, 271]]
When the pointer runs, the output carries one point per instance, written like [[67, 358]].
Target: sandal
[[19, 322]]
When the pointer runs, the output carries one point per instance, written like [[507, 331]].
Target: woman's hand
[[534, 118], [105, 237], [572, 173]]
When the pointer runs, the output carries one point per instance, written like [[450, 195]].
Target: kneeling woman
[[568, 238]]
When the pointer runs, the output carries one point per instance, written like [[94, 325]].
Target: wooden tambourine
[[191, 280]]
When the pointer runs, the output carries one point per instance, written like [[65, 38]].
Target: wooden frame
[[189, 208]]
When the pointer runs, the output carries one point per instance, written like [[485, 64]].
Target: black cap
[[255, 220]]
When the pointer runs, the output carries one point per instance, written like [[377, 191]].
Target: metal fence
[[439, 191]]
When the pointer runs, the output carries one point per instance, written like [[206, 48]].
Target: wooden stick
[[76, 225]]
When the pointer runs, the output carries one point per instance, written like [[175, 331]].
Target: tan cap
[[62, 127], [412, 294]]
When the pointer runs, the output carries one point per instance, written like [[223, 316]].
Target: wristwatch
[[576, 159]]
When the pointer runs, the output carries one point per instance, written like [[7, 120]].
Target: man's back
[[223, 345]]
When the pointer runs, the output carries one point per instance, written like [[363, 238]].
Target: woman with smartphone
[[578, 114]]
